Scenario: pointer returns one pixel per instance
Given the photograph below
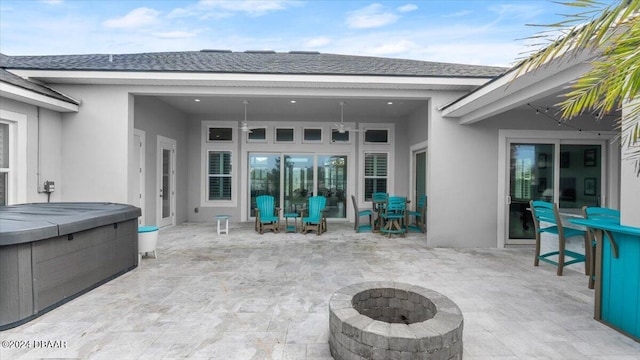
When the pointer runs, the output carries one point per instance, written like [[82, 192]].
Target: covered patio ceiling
[[289, 107]]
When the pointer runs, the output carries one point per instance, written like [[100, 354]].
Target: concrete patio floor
[[247, 296]]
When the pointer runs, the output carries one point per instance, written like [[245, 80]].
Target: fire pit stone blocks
[[389, 320]]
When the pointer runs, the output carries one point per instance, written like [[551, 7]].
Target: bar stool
[[226, 224]]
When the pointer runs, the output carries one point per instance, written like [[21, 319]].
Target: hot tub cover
[[36, 221]]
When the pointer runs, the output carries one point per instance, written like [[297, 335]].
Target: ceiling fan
[[245, 126], [341, 128]]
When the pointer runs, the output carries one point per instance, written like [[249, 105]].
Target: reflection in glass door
[[420, 174], [264, 178], [166, 181], [530, 178], [332, 183], [298, 181], [580, 176]]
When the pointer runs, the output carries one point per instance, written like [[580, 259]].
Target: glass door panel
[[166, 180], [165, 192], [264, 178], [580, 176], [298, 182], [530, 178], [420, 175], [332, 183]]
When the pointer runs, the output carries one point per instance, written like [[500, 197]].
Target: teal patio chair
[[393, 216], [420, 215], [601, 214], [547, 212], [267, 214], [360, 213], [315, 219]]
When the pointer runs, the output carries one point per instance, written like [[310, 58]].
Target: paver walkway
[[246, 296]]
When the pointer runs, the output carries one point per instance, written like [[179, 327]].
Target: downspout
[[39, 189]]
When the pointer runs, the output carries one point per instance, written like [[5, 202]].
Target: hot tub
[[51, 253]]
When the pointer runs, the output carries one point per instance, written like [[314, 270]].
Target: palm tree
[[614, 31]]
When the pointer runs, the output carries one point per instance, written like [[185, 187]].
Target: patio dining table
[[378, 208]]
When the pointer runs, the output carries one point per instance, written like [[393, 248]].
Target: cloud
[[371, 16], [316, 42], [206, 9], [458, 14], [407, 8], [518, 11], [52, 2], [393, 48], [175, 35], [135, 18]]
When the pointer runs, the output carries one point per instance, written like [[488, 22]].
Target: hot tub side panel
[[16, 291], [69, 264], [39, 275]]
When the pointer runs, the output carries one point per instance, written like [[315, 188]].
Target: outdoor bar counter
[[51, 253], [617, 285]]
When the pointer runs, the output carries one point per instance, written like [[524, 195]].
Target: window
[[375, 174], [4, 164], [220, 134], [376, 136], [257, 135], [219, 173], [284, 135], [337, 136], [312, 135], [218, 162]]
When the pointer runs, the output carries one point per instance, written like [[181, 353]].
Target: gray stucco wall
[[463, 174], [47, 146], [96, 144], [156, 118]]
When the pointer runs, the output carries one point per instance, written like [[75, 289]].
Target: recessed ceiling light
[[293, 101], [196, 100], [389, 102]]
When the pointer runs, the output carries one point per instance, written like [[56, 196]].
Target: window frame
[[364, 136], [333, 141], [17, 170], [259, 141], [367, 147], [210, 175], [208, 139], [293, 133], [364, 171], [305, 141], [218, 146]]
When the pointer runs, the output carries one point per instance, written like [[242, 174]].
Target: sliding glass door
[[332, 183], [580, 176], [298, 181], [293, 178], [569, 174], [530, 178], [264, 178]]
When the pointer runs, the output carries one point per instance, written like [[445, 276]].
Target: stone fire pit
[[390, 320]]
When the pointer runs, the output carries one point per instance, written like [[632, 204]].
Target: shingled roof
[[251, 62]]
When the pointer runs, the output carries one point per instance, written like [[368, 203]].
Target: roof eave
[[18, 93], [244, 79], [516, 88]]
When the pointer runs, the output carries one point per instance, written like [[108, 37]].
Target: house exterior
[[164, 131]]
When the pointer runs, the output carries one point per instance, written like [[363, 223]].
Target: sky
[[468, 32]]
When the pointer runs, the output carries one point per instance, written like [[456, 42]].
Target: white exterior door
[[166, 181]]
